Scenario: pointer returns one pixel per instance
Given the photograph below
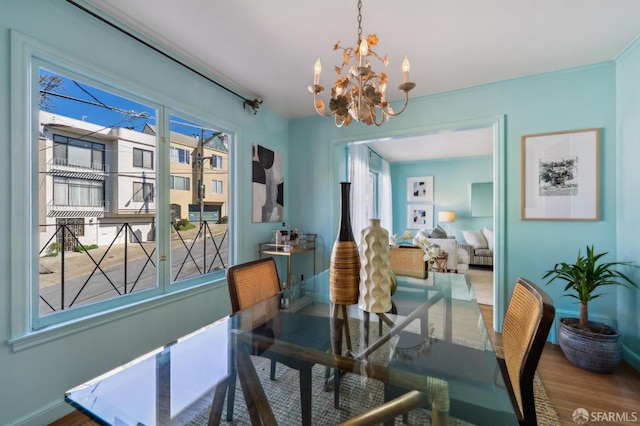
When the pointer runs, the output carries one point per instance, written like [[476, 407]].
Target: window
[[216, 186], [180, 183], [179, 155], [202, 210], [142, 192], [77, 192], [100, 179], [78, 152], [216, 161], [142, 158]]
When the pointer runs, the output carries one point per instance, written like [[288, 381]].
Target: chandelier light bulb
[[364, 48], [317, 69], [406, 67]]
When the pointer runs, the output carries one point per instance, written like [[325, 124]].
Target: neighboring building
[[94, 180], [186, 174]]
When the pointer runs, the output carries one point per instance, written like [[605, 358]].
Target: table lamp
[[446, 216]]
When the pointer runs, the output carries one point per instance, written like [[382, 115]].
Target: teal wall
[[33, 381], [628, 200], [572, 99], [452, 179]]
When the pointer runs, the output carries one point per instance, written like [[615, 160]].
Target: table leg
[[345, 317], [365, 328], [218, 402], [257, 403]]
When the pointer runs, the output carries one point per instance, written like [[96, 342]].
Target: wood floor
[[568, 388]]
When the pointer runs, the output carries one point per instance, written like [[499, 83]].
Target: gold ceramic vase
[[344, 269]]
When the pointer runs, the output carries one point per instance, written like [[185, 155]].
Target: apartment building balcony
[[77, 210], [64, 168]]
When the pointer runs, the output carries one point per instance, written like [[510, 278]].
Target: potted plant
[[589, 345]]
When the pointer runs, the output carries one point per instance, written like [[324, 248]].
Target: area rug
[[358, 394], [284, 393], [545, 413]]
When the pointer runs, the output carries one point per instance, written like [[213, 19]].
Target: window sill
[[56, 332]]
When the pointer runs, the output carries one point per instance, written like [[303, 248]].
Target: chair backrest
[[525, 329], [252, 282]]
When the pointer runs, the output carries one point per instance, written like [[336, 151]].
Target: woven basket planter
[[597, 352]]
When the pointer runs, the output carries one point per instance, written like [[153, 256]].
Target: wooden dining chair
[[253, 282], [526, 326]]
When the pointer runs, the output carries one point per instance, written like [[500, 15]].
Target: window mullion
[[163, 215]]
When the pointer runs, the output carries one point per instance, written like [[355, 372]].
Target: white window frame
[[144, 154], [174, 153], [147, 196], [27, 330], [215, 185], [186, 183], [216, 161]]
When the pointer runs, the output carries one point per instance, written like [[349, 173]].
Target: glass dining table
[[429, 359]]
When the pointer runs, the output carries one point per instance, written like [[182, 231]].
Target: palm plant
[[586, 275]]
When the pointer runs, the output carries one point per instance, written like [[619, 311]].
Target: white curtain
[[385, 207], [359, 171]]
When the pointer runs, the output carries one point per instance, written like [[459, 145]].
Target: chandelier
[[360, 94]]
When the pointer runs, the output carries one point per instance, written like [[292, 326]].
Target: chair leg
[[272, 373], [336, 387]]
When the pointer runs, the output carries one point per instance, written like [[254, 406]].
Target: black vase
[[344, 270]]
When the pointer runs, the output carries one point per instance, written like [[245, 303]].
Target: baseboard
[[631, 357], [44, 415]]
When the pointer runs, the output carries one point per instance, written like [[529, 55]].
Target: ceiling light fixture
[[360, 94]]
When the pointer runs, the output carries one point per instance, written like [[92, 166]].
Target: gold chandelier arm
[[406, 101], [319, 102]]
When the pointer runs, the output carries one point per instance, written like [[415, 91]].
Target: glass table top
[[434, 339]]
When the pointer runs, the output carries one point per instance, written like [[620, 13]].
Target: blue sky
[[81, 101]]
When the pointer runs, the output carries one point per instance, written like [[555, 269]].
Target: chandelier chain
[[359, 20]]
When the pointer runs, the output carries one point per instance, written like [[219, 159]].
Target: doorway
[[495, 126]]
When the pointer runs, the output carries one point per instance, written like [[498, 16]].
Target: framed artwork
[[420, 216], [561, 176], [267, 181], [420, 188]]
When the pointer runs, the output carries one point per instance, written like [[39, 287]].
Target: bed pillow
[[488, 235], [475, 239]]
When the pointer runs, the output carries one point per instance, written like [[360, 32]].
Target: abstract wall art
[[267, 185]]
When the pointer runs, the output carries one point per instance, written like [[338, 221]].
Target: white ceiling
[[444, 144], [266, 49]]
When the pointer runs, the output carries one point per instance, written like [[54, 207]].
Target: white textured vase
[[375, 269]]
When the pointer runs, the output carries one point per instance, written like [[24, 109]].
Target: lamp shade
[[447, 216]]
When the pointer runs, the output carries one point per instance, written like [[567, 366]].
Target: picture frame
[[420, 216], [420, 188], [561, 175]]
